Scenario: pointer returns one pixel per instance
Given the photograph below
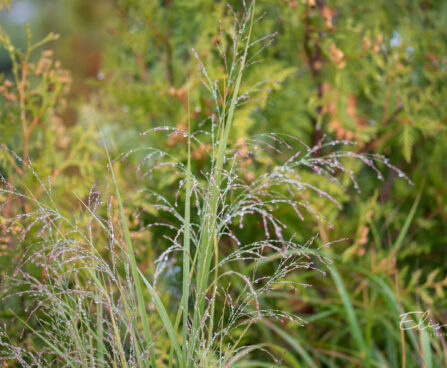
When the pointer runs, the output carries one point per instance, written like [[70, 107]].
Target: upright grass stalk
[[133, 266], [208, 228], [136, 274], [186, 243], [221, 200], [100, 348]]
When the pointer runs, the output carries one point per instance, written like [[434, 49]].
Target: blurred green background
[[374, 72]]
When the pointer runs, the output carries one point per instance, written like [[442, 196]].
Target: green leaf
[[165, 318]]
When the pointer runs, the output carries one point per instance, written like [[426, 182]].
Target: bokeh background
[[374, 72]]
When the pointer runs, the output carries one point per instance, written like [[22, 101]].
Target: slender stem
[[133, 264], [209, 225], [186, 241]]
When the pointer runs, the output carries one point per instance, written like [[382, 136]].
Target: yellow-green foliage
[[372, 72]]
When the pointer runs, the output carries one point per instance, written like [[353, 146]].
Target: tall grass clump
[[95, 305]]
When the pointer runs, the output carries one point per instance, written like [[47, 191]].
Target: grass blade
[[294, 344], [428, 358], [398, 243], [165, 318], [206, 245], [350, 314], [133, 263], [186, 243]]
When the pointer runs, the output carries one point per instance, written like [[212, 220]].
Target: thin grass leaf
[[294, 343], [209, 224], [398, 243], [133, 263], [165, 318], [350, 314], [46, 341], [186, 243], [426, 347]]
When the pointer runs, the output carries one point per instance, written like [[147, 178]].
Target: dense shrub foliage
[[224, 184]]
